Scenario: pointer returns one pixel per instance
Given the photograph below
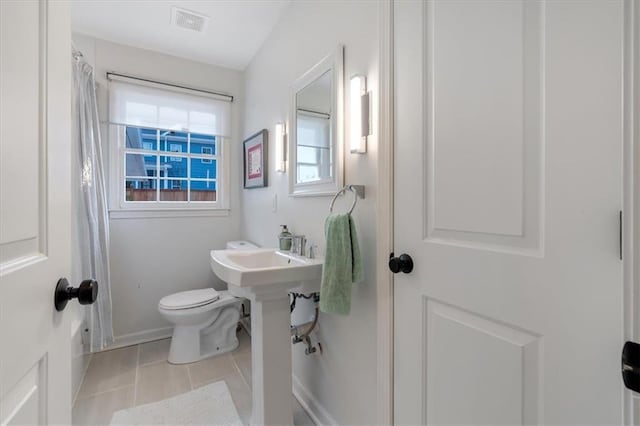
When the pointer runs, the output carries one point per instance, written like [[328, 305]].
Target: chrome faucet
[[298, 243]]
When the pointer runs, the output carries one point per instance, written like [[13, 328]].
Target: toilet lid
[[189, 299]]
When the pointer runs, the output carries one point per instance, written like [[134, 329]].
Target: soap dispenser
[[285, 238]]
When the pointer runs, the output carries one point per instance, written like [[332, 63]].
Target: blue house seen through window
[[175, 166]]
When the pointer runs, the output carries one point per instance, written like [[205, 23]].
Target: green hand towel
[[358, 268], [342, 264]]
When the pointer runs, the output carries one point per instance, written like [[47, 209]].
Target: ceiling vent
[[189, 20]]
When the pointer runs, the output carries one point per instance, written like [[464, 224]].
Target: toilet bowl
[[205, 321]]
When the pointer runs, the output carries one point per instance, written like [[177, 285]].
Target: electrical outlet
[[274, 203]]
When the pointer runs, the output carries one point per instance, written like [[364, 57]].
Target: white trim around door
[[631, 199], [385, 217]]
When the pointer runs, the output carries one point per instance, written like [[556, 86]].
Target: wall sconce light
[[360, 126], [281, 147]]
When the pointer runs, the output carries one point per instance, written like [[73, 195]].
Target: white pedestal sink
[[265, 276]]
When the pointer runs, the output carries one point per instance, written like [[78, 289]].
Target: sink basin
[[262, 267]]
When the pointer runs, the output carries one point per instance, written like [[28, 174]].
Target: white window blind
[[143, 106], [313, 130]]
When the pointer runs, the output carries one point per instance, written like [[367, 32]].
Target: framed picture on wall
[[255, 160]]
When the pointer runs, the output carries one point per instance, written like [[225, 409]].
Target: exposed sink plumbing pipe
[[301, 332]]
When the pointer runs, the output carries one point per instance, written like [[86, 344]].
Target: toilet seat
[[189, 299]]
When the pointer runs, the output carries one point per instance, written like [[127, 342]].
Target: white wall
[[153, 257], [343, 378]]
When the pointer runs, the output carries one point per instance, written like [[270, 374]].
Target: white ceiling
[[234, 33]]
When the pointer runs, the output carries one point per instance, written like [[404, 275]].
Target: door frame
[[385, 227], [631, 186]]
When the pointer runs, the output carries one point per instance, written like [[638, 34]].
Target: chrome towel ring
[[357, 190]]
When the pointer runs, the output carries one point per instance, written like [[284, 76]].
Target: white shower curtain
[[92, 222]]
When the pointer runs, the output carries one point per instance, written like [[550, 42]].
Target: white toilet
[[205, 321]]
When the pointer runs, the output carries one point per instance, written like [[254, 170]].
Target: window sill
[[166, 213]]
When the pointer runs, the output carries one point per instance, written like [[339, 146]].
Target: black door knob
[[86, 293], [402, 263], [631, 366]]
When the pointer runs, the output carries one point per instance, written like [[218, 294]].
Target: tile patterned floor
[[140, 374]]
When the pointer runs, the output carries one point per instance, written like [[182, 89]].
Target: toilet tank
[[241, 245]]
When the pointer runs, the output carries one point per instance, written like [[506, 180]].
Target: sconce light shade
[[281, 163], [359, 114]]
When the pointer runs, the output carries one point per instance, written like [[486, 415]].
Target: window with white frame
[[167, 148]]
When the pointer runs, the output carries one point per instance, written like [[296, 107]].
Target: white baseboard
[[141, 337], [312, 406]]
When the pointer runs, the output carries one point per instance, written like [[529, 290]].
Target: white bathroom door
[[35, 107], [508, 189]]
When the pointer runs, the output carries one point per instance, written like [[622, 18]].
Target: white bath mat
[[208, 405]]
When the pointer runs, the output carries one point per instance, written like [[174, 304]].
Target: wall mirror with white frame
[[316, 138]]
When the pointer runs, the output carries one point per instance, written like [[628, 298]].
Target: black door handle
[[631, 366], [86, 293], [402, 263]]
